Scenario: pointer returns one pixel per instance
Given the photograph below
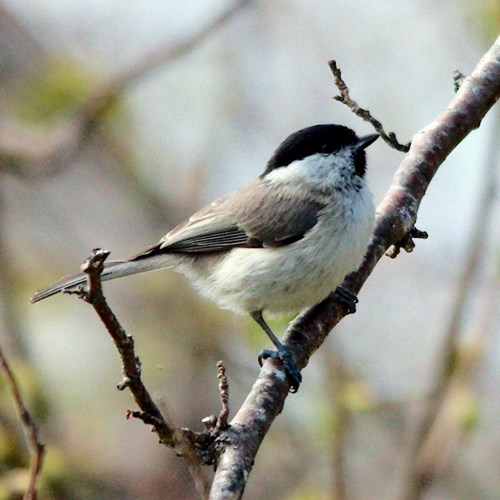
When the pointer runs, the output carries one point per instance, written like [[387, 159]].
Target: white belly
[[289, 278]]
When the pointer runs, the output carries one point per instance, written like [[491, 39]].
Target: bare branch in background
[[396, 216], [34, 154], [37, 448], [164, 55], [345, 98], [448, 370], [337, 380], [9, 312], [10, 24]]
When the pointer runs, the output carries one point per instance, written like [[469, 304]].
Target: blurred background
[[120, 118]]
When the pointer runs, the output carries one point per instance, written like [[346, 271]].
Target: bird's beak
[[365, 141]]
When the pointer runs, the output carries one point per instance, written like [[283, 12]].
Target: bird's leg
[[346, 298], [292, 372]]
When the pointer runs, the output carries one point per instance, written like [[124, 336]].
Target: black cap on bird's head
[[321, 139]]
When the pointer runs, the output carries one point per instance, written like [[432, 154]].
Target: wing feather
[[242, 220]]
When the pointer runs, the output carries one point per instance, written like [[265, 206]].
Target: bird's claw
[[346, 298], [291, 371]]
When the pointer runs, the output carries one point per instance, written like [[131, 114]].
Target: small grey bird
[[280, 243]]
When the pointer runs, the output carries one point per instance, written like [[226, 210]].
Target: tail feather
[[112, 270]]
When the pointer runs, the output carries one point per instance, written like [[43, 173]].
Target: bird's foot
[[291, 371], [346, 298]]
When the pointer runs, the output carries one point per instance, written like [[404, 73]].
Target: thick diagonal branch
[[396, 216]]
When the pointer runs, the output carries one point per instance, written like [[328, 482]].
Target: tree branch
[[345, 98], [131, 364], [447, 369], [37, 448], [396, 216], [150, 413]]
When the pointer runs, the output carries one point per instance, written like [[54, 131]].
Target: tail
[[112, 270]]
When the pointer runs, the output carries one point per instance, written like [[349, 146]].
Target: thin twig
[[365, 114], [131, 364], [224, 397], [407, 243], [131, 367], [37, 448]]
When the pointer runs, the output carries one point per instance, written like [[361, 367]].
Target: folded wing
[[243, 219]]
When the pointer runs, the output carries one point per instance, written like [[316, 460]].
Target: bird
[[280, 243]]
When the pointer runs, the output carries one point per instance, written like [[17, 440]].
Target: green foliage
[[468, 413], [57, 89], [30, 387], [357, 397], [309, 494], [486, 18]]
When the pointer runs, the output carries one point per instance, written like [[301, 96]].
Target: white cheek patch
[[319, 168]]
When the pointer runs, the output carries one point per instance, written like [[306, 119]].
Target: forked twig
[[131, 366], [345, 98]]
